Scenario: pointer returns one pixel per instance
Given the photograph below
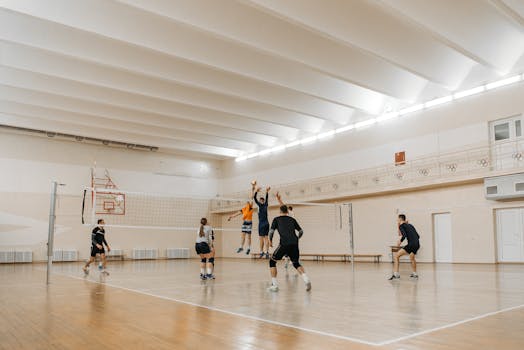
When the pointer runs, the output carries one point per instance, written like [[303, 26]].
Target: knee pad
[[211, 260], [203, 260], [272, 263], [296, 265]]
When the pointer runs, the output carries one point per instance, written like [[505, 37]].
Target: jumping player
[[247, 224], [286, 227], [203, 247], [408, 232], [289, 213], [97, 247], [263, 223]]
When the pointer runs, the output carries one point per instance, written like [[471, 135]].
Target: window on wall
[[506, 129]]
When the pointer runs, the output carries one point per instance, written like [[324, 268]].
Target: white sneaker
[[308, 286], [86, 270], [273, 288]]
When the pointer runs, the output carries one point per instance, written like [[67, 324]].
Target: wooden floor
[[164, 305]]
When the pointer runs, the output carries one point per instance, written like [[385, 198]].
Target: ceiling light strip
[[388, 116]]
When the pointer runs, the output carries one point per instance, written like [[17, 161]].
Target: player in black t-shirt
[[98, 240], [407, 231], [286, 227]]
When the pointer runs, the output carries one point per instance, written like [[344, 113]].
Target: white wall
[[445, 128], [29, 164]]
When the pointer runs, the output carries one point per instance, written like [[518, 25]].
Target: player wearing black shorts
[[286, 227], [263, 223], [407, 231], [204, 248], [98, 240]]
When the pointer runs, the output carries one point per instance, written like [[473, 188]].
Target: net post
[[93, 208], [51, 231], [351, 240]]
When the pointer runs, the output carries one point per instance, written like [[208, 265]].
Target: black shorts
[[263, 229], [290, 250], [202, 248], [247, 226], [95, 250], [412, 248]]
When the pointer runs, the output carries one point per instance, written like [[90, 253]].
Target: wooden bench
[[323, 256], [343, 257]]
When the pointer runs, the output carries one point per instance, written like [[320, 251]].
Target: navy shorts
[[263, 229], [202, 248]]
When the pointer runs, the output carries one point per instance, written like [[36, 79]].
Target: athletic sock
[[305, 278], [202, 271], [209, 270], [396, 274], [274, 281]]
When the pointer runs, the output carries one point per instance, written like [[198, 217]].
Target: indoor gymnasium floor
[[163, 304]]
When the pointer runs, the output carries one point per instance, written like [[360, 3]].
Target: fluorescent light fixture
[[326, 134], [345, 128], [293, 144], [503, 82], [278, 148], [266, 151], [308, 140], [469, 92], [365, 123], [439, 101], [387, 116], [411, 109]]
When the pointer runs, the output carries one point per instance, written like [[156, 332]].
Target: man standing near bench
[[286, 227], [408, 232]]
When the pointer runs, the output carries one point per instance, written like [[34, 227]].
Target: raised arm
[[234, 215], [279, 198], [267, 194], [255, 196]]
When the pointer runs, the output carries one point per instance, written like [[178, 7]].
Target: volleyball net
[[156, 211]]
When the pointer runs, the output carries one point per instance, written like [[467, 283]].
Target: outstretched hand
[[268, 188]]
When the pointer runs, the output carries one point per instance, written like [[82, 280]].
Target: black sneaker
[[248, 251], [240, 249], [413, 275], [203, 277], [210, 276], [393, 277], [261, 255]]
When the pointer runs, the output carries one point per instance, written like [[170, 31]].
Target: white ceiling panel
[[230, 77]]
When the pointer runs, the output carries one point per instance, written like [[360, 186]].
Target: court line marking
[[224, 311], [450, 325], [382, 343]]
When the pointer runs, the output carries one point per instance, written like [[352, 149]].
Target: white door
[[443, 239], [510, 227]]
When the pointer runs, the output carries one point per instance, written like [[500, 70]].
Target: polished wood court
[[163, 305]]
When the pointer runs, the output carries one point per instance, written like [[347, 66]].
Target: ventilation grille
[[492, 190], [78, 138], [65, 255], [12, 256], [140, 253], [177, 253]]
